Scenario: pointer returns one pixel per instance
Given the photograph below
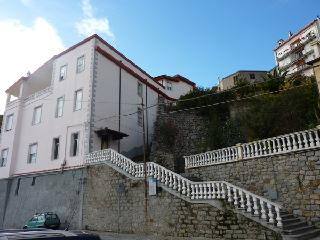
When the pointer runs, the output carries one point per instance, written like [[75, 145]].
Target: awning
[[115, 135]]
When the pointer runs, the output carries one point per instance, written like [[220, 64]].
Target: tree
[[274, 80]]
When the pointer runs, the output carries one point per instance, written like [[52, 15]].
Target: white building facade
[[176, 85], [87, 98], [293, 54]]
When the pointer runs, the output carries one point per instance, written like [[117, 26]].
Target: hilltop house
[[87, 98], [293, 54], [250, 76]]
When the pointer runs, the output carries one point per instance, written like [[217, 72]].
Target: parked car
[[39, 234], [43, 220]]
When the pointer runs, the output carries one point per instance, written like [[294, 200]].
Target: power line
[[208, 105], [236, 100]]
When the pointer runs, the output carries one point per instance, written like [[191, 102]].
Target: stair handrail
[[208, 190]]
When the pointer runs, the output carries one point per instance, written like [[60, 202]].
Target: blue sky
[[202, 40]]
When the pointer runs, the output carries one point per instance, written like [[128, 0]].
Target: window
[[78, 100], [37, 115], [80, 64], [252, 76], [169, 86], [55, 148], [140, 89], [4, 156], [59, 107], [9, 122], [63, 73], [74, 144], [32, 153], [139, 114]]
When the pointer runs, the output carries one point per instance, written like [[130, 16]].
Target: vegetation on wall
[[279, 105]]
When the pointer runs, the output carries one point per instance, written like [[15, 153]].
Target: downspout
[[119, 118]]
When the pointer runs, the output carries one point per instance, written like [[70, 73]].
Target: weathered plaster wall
[[291, 179], [57, 192], [105, 209]]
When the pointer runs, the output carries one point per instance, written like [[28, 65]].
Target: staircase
[[250, 205]]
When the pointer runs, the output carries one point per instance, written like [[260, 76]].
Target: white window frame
[[53, 148], [72, 143], [30, 159], [63, 75], [77, 106], [80, 67], [34, 115], [169, 85], [57, 115], [140, 117], [3, 160], [9, 122], [140, 89]]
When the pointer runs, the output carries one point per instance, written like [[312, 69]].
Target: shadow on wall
[[60, 193]]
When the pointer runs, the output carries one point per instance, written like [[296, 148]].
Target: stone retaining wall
[[292, 179], [113, 202]]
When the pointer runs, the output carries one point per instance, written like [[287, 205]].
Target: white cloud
[[89, 25], [24, 48]]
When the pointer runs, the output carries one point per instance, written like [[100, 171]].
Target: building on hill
[[293, 54], [176, 85], [87, 98], [249, 76]]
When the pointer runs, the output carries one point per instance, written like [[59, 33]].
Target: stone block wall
[[292, 179], [22, 197], [190, 134], [115, 203]]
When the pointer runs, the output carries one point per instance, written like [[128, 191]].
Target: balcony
[[297, 46]]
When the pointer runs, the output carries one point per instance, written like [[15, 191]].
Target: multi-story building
[[293, 54], [175, 86], [249, 76], [87, 98]]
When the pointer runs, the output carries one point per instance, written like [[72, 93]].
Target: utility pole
[[144, 167]]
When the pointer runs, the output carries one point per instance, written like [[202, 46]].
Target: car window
[[54, 216], [48, 217], [34, 219]]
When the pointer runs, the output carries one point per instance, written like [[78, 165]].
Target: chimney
[[290, 34], [280, 41]]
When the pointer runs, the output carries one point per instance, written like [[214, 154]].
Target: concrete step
[[307, 235], [287, 216], [289, 221], [295, 225], [299, 230]]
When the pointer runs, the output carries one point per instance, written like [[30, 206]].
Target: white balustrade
[[241, 199], [297, 141]]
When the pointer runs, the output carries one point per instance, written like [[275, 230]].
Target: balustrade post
[[241, 199], [255, 206], [188, 190], [239, 152], [209, 191], [279, 222], [249, 209], [229, 194], [196, 192], [200, 193], [270, 213], [184, 188], [263, 210]]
